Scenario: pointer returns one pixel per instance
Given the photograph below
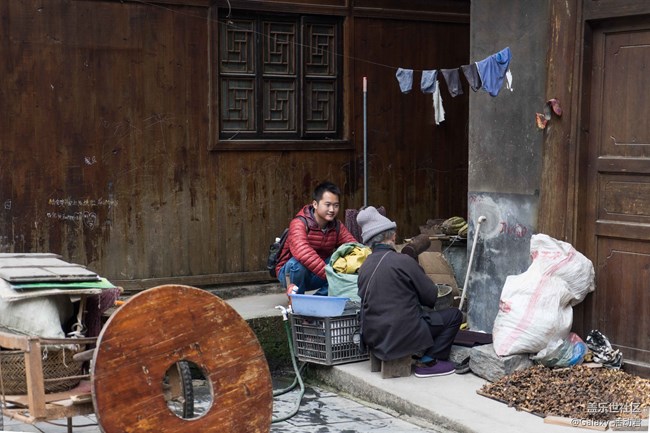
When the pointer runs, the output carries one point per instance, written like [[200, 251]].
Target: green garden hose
[[296, 369]]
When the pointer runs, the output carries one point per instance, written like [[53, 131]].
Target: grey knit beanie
[[372, 223]]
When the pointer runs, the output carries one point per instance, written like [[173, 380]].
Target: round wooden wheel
[[157, 328]]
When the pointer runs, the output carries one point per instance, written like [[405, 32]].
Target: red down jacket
[[312, 247]]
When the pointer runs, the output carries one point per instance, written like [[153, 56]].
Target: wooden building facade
[[172, 140]]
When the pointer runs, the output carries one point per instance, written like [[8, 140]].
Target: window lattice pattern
[[320, 50], [237, 47], [238, 105], [321, 107], [279, 48], [279, 106], [279, 78]]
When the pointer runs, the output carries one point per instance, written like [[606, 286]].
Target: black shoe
[[463, 366]]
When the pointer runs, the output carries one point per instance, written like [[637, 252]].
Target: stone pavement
[[320, 411]]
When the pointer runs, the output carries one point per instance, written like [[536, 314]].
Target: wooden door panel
[[625, 131], [624, 273], [624, 198], [617, 200]]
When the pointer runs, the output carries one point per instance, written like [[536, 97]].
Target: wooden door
[[616, 202]]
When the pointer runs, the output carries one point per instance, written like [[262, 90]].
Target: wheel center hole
[[187, 391]]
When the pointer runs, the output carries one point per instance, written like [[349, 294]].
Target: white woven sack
[[536, 306], [40, 317]]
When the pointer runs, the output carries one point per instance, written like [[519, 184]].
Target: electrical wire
[[231, 24]]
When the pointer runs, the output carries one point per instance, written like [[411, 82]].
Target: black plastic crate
[[327, 340]]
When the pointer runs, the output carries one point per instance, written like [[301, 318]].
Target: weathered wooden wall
[[105, 136]]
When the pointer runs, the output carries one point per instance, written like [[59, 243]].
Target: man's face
[[326, 209]]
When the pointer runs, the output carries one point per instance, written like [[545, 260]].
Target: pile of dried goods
[[578, 392]]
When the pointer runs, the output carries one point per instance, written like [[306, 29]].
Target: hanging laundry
[[405, 79], [452, 78], [438, 110], [428, 81], [492, 70], [471, 74], [509, 80]]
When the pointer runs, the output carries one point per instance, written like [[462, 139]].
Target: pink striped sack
[[535, 307]]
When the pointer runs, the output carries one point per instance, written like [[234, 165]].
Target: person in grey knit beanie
[[373, 223], [394, 289]]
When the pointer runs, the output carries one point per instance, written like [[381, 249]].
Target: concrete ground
[[349, 398], [446, 404]]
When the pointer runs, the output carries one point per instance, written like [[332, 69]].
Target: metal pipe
[[481, 219], [365, 142]]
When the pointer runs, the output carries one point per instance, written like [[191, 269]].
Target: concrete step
[[449, 402], [258, 306]]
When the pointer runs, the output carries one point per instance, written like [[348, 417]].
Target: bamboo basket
[[58, 364]]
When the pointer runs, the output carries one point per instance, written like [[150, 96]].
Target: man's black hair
[[324, 187]]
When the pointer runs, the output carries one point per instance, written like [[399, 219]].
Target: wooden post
[[34, 377]]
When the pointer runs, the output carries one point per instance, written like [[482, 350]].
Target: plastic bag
[[535, 306], [602, 350], [345, 284], [562, 353]]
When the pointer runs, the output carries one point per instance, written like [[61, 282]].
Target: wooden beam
[[196, 280], [588, 424], [615, 8], [558, 170]]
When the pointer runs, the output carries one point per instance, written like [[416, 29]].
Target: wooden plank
[[23, 400], [42, 267], [195, 280], [41, 255], [81, 340], [81, 398], [321, 7], [396, 368], [9, 340], [555, 213], [575, 422], [67, 410], [615, 8], [35, 383]]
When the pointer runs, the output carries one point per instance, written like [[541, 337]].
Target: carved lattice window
[[279, 78]]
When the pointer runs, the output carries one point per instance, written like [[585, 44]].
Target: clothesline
[[487, 74]]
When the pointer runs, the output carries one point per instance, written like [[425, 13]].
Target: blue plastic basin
[[317, 306]]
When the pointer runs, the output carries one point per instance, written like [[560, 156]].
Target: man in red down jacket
[[314, 234]]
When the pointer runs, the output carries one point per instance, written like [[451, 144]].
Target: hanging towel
[[492, 71], [509, 81], [452, 78], [405, 79], [427, 83], [471, 73], [438, 110]]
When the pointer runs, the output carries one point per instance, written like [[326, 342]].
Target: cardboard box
[[438, 269]]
